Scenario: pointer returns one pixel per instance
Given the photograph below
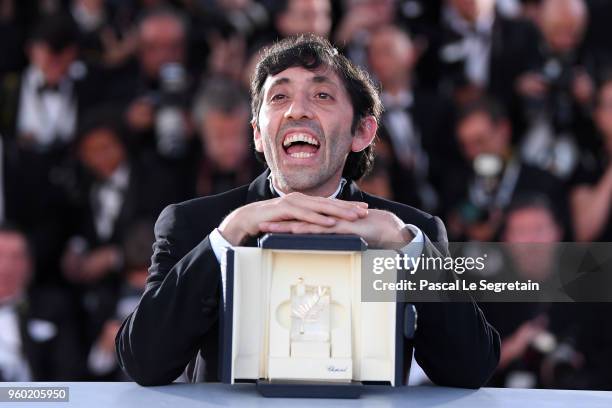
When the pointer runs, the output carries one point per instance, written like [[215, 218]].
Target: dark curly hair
[[311, 52]]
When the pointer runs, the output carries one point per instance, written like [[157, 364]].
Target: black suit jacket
[[175, 325]]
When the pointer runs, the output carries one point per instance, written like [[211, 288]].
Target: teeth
[[300, 137], [301, 155]]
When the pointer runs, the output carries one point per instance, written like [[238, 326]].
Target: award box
[[293, 322]]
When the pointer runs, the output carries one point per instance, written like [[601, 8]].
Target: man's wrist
[[231, 230], [402, 238], [402, 235]]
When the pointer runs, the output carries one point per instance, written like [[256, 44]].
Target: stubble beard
[[310, 179], [307, 179], [296, 180]]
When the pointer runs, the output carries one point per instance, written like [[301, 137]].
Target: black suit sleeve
[[178, 307], [454, 343]]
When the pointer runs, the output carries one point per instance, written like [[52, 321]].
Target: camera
[[483, 189], [170, 129]]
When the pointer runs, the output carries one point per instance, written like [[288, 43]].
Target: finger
[[335, 201], [293, 227], [328, 209], [337, 208], [283, 210], [301, 227], [343, 203], [359, 205], [293, 212], [346, 227]]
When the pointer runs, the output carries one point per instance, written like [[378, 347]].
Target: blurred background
[[498, 119]]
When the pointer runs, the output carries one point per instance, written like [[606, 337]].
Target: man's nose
[[299, 108]]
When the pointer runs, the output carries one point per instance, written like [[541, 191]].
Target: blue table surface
[[108, 394]]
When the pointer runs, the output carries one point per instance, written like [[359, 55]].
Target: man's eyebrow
[[322, 79], [279, 81], [318, 79]]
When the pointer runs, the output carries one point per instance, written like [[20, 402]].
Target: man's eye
[[277, 97], [323, 95]]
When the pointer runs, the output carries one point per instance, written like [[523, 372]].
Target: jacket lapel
[[259, 189], [351, 192]]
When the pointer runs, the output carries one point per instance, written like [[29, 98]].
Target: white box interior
[[362, 344]]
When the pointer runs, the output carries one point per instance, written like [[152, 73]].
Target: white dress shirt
[[474, 47], [107, 199], [13, 364], [47, 117]]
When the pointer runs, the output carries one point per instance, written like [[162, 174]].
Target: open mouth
[[300, 145]]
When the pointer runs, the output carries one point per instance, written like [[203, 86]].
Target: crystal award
[[310, 312]]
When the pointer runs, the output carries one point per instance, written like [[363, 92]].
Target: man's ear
[[364, 134], [257, 136]]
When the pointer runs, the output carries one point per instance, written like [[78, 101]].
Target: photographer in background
[[557, 91], [493, 176], [158, 86], [539, 340]]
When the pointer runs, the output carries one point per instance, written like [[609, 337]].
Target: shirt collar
[[35, 79], [276, 191]]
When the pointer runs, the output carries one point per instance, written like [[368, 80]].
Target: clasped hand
[[297, 213]]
